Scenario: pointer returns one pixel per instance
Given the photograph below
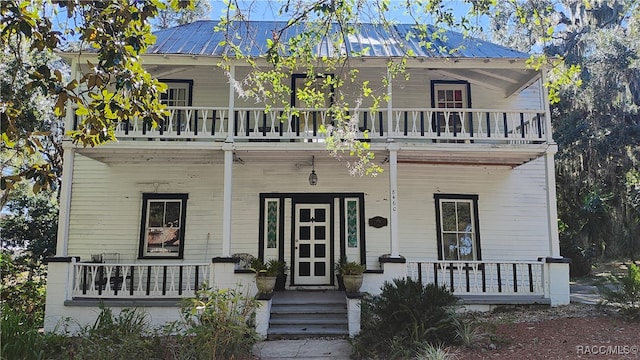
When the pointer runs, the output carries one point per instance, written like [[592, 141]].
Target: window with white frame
[[457, 226], [162, 226]]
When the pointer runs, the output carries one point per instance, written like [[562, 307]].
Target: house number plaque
[[377, 222]]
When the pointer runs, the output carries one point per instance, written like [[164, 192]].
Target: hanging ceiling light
[[313, 178]]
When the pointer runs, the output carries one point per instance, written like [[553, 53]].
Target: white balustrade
[[448, 125], [481, 277], [104, 280]]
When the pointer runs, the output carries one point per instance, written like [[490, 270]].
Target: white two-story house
[[467, 197]]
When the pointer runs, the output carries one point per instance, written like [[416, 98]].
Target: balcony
[[426, 125]]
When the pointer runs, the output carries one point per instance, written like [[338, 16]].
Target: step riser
[[308, 315]]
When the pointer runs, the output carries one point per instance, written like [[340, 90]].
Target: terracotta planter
[[265, 284], [352, 283]]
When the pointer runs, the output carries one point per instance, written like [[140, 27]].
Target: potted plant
[[351, 273], [266, 274], [338, 267], [281, 276]]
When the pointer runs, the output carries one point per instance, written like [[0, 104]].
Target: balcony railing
[[481, 277], [103, 280], [254, 124]]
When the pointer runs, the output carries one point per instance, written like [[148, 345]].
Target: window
[[450, 95], [162, 227], [315, 96], [179, 94], [457, 226]]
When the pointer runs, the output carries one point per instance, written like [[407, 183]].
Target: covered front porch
[[504, 281]]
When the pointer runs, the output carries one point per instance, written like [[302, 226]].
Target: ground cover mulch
[[575, 331]]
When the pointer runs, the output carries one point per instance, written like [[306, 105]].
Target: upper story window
[[450, 95], [162, 227], [457, 226], [178, 93]]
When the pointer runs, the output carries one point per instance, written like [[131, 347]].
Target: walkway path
[[308, 349], [585, 294]]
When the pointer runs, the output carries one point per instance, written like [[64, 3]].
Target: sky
[[268, 10]]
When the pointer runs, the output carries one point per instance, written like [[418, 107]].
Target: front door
[[312, 248]]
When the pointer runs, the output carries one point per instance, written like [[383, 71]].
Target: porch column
[[228, 169], [232, 96], [393, 201], [389, 104], [228, 186], [62, 244], [545, 102], [552, 205]]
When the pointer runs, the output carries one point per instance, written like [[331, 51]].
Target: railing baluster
[[148, 280], [116, 281], [499, 277], [180, 280], [100, 279], [435, 273], [84, 280], [315, 123], [522, 132], [539, 124], [196, 280], [466, 268], [213, 122], [131, 269], [406, 123], [364, 121], [484, 278], [235, 123], [451, 276], [506, 127], [515, 278]]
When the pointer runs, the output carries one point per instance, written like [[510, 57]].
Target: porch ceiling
[[299, 154], [510, 80], [461, 156], [110, 155]]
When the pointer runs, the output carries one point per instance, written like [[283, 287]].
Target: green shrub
[[23, 287], [127, 335], [19, 339], [217, 324], [624, 292], [434, 352], [405, 315]]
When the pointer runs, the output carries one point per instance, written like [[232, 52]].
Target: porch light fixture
[[313, 178]]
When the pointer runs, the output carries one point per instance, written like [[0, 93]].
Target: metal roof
[[200, 38]]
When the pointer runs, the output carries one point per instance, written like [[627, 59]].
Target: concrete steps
[[308, 314]]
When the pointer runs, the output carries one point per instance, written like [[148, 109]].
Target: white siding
[[211, 88], [511, 206], [106, 205], [107, 201]]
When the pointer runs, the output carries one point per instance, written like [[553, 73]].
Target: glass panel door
[[312, 245]]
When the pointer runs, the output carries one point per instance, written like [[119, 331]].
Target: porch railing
[[481, 277], [103, 280], [254, 124]]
